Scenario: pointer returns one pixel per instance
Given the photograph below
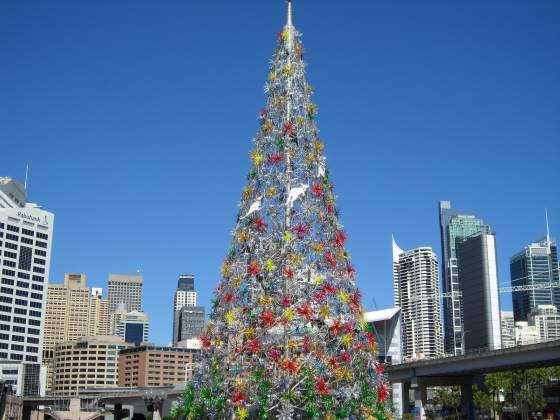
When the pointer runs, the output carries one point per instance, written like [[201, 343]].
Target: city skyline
[[512, 122]]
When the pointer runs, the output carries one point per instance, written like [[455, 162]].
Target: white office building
[[25, 244]]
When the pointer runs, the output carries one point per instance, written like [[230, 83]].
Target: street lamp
[[154, 400]]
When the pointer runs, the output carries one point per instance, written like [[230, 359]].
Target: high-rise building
[[127, 289], [386, 326], [149, 366], [547, 320], [454, 226], [508, 329], [191, 322], [185, 295], [416, 289], [535, 269], [136, 327], [478, 277], [90, 362], [133, 326], [26, 232], [73, 311]]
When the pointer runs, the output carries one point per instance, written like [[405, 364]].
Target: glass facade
[[134, 333], [454, 227], [536, 265]]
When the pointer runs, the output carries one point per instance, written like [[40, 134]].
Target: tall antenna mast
[[547, 230]]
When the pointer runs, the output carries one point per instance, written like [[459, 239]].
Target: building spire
[[547, 229], [289, 28]]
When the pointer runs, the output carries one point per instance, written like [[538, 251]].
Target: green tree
[[449, 397]]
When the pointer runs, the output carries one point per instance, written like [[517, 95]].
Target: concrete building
[[386, 325], [191, 322], [416, 290], [526, 334], [73, 311], [117, 320], [26, 232], [535, 269], [508, 329], [454, 226], [149, 366], [90, 362], [547, 321], [185, 295], [127, 289], [11, 405], [478, 277]]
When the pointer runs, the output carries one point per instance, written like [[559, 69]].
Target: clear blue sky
[[136, 119]]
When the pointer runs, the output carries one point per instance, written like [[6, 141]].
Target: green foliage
[[518, 389]]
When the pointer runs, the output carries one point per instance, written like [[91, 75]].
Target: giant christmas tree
[[286, 337]]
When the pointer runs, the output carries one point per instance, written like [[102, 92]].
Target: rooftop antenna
[[26, 175], [547, 230], [290, 26]]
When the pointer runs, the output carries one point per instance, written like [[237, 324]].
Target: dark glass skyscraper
[[478, 276], [191, 322], [454, 226], [535, 269]]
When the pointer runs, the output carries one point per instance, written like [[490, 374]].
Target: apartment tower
[[416, 290]]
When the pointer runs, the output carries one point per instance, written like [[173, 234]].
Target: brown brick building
[[149, 365]]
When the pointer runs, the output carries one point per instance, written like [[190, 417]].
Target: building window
[[11, 245], [27, 232], [25, 254], [42, 236], [9, 263], [40, 244], [27, 241], [37, 278], [40, 252], [8, 281], [12, 228]]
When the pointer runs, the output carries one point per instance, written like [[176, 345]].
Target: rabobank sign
[[35, 219]]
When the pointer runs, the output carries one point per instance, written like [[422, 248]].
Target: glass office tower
[[536, 269], [454, 226]]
